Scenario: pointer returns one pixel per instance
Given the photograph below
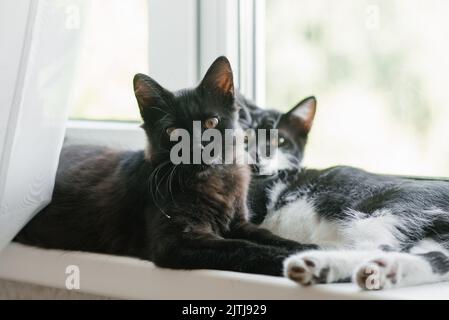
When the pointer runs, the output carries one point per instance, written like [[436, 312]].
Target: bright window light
[[114, 48], [381, 75]]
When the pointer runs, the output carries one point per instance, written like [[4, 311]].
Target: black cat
[[141, 204]]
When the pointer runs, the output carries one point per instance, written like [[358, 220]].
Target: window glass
[[114, 48], [380, 71]]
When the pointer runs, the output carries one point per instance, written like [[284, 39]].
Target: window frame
[[233, 28]]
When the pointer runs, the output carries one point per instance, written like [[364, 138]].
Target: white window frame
[[211, 28]]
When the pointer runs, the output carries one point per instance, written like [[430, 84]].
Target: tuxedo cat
[[293, 128], [183, 216], [380, 231]]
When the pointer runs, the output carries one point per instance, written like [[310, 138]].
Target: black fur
[[336, 190], [140, 204], [340, 195], [438, 261], [290, 129]]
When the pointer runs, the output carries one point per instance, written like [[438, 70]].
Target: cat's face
[[209, 106], [293, 130]]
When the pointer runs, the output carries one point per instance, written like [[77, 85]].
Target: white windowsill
[[129, 278], [126, 135]]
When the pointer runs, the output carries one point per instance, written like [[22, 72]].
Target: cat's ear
[[219, 79], [150, 95], [302, 114]]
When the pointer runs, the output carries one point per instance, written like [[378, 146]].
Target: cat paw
[[378, 274], [306, 269]]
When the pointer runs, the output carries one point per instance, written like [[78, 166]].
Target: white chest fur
[[299, 221]]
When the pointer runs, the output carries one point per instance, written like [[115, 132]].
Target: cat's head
[[209, 105], [293, 130]]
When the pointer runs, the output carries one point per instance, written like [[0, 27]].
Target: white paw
[[307, 268], [380, 273]]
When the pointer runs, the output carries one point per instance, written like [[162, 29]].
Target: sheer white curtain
[[38, 41]]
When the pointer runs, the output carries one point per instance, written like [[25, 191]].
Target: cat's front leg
[[253, 233], [321, 266], [241, 228], [211, 252]]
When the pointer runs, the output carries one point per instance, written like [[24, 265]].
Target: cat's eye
[[249, 135], [170, 130], [282, 141], [211, 123], [277, 141]]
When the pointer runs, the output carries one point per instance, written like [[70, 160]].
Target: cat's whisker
[[153, 179], [170, 182]]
